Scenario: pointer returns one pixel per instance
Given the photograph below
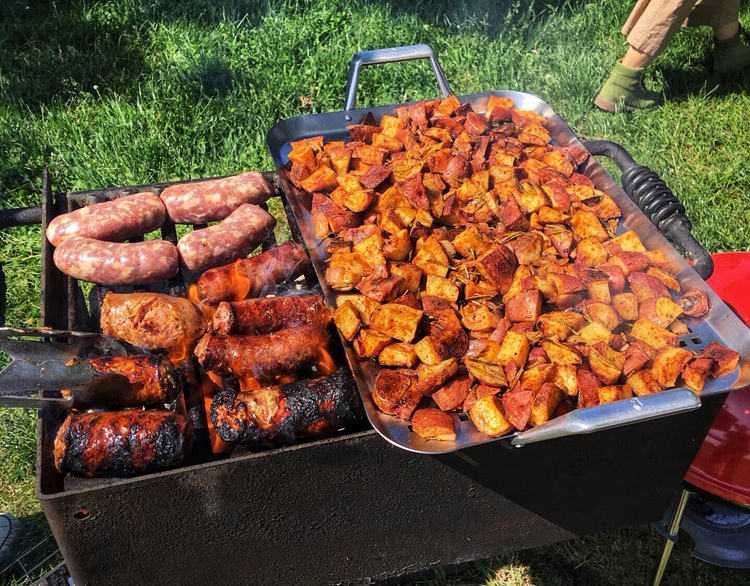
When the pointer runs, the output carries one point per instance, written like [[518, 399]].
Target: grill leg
[[672, 530]]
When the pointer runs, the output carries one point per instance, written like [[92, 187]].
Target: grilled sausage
[[254, 276], [151, 320], [122, 443], [209, 201], [235, 237], [286, 412], [263, 316], [115, 263], [262, 357], [153, 378], [116, 220]]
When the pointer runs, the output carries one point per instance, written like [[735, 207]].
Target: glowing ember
[[249, 383], [240, 283]]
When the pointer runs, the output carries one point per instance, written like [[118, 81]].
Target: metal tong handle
[[657, 201], [391, 55], [589, 420]]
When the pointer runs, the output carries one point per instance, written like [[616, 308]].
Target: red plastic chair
[[722, 466]]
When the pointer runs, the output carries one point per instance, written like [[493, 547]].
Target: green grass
[[106, 94]]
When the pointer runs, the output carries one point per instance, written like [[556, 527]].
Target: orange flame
[[209, 389], [326, 365], [239, 281], [206, 309], [216, 379], [249, 383], [177, 354]]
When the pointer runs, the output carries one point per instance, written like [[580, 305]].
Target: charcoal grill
[[351, 508]]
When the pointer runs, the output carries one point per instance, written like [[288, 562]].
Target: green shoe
[[731, 55], [624, 91]]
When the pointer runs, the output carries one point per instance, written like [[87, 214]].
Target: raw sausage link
[[235, 237], [262, 357], [263, 316], [210, 201], [151, 320], [115, 263], [122, 443], [116, 220], [254, 276]]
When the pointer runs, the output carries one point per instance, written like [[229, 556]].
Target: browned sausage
[[116, 220], [287, 412], [209, 201], [262, 357], [153, 378], [254, 276], [115, 263], [235, 237], [263, 316], [122, 443], [151, 320]]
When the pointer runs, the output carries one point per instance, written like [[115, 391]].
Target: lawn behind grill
[[107, 94]]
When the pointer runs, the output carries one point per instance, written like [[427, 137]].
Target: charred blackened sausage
[[116, 220], [122, 443], [151, 320], [270, 314], [235, 237], [115, 263], [208, 201], [263, 357], [286, 412], [254, 276]]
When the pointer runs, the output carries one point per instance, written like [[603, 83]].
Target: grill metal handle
[[655, 199], [391, 55], [589, 420]]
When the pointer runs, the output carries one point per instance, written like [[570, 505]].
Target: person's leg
[[650, 27], [731, 51]]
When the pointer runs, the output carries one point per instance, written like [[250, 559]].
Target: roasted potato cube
[[370, 249], [695, 373], [586, 224], [442, 287], [534, 377], [602, 313], [497, 265], [411, 274], [390, 387], [612, 393], [470, 242], [398, 246], [626, 304], [655, 336], [645, 286], [528, 249], [606, 363], [593, 333], [660, 310], [442, 345], [524, 306], [322, 180], [369, 343], [560, 324], [544, 403], [347, 320], [431, 258], [363, 304], [434, 376], [487, 414], [433, 424], [514, 348], [695, 303], [517, 406], [342, 278], [629, 242], [668, 280], [636, 358], [599, 291], [560, 353], [629, 262], [591, 252], [453, 394], [479, 317], [565, 376], [486, 372], [566, 284], [725, 360], [398, 354], [396, 320], [588, 388], [644, 383], [669, 364]]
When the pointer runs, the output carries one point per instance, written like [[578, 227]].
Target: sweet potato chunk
[[696, 372], [396, 320], [434, 424], [347, 320], [725, 360], [398, 354]]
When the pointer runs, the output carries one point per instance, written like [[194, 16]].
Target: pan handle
[[389, 56], [651, 194], [610, 415]]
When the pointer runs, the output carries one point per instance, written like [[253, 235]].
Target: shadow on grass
[[36, 551], [681, 84]]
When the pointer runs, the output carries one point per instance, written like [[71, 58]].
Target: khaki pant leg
[[653, 23]]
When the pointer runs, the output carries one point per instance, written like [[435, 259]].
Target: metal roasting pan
[[720, 325]]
